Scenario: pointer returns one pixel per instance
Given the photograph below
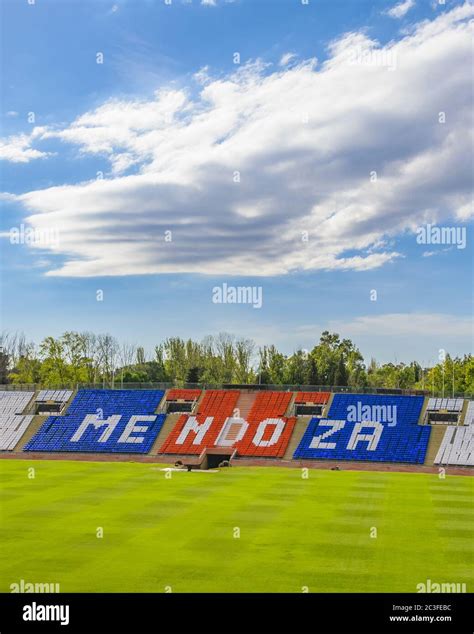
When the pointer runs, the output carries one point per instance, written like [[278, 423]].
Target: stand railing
[[142, 385]]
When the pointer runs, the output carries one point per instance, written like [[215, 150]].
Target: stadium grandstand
[[103, 421], [244, 422]]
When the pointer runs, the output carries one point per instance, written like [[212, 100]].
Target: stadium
[[237, 490], [236, 367]]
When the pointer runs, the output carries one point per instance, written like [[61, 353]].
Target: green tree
[[54, 370], [276, 366], [297, 369], [194, 375], [313, 376], [27, 370], [341, 374], [243, 372], [263, 371], [140, 355], [4, 365]]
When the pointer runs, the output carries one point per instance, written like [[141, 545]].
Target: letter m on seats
[[91, 419], [193, 426]]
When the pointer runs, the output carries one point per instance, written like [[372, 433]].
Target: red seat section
[[177, 394], [192, 434], [269, 431], [315, 398]]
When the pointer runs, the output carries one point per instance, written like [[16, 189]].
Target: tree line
[[86, 358]]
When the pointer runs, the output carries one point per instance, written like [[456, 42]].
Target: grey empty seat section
[[14, 402], [469, 419], [58, 396], [457, 447], [12, 429], [448, 404]]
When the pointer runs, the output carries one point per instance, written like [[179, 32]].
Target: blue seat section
[[101, 435], [380, 428], [408, 408]]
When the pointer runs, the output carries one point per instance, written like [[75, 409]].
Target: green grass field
[[179, 532]]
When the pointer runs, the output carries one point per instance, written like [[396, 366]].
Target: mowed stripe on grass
[[244, 529]]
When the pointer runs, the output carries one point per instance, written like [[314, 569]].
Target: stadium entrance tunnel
[[174, 406], [443, 417], [215, 457], [309, 410], [48, 408], [210, 458]]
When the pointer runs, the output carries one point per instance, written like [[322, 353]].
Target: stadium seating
[[114, 421], [469, 418], [369, 427], [310, 403], [379, 428], [12, 429], [407, 408], [445, 404], [457, 447], [13, 402], [268, 431], [318, 398], [192, 434], [180, 400], [51, 402], [12, 424], [58, 396], [183, 395], [444, 411]]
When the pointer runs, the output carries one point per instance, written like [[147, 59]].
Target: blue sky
[[305, 169]]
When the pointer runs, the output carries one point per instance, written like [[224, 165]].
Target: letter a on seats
[[372, 438]]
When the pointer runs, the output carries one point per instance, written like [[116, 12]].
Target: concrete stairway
[[245, 402], [327, 407], [436, 436], [168, 425], [198, 402], [31, 430], [31, 407], [297, 435], [421, 420], [291, 405]]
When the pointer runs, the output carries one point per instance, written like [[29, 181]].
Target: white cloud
[[401, 9], [209, 3], [304, 143], [402, 324], [430, 254], [12, 114], [286, 59], [17, 148]]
